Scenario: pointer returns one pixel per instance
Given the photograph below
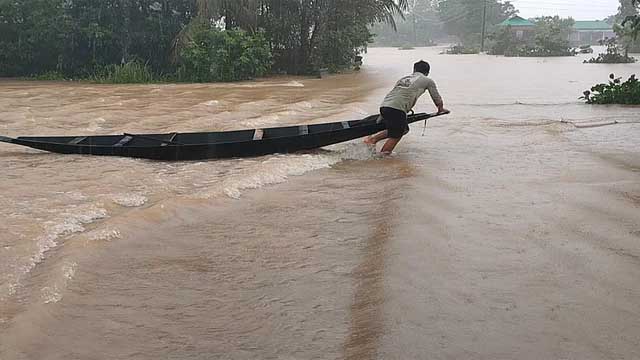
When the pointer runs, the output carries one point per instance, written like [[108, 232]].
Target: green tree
[[627, 25], [464, 18], [633, 20], [231, 55], [83, 37], [552, 34]]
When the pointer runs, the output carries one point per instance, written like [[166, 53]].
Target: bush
[[133, 72], [50, 76], [612, 56], [504, 42], [229, 55], [538, 51], [461, 50], [615, 92]]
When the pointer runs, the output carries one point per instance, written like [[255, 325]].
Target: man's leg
[[390, 145], [374, 139]]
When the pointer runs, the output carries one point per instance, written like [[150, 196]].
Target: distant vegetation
[[221, 40], [615, 92], [464, 18], [551, 38], [420, 25], [460, 49], [612, 55]]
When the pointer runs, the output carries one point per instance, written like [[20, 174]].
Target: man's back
[[407, 90]]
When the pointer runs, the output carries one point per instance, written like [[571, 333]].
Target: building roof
[[516, 21], [592, 26]]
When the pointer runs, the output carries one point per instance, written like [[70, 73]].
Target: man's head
[[422, 67]]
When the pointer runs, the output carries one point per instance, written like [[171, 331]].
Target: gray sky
[[578, 9]]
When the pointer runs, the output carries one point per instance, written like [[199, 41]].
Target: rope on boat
[[424, 130]]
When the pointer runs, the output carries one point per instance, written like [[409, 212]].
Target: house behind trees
[[583, 32], [590, 32]]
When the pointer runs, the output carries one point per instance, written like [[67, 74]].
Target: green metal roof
[[592, 26], [516, 21]]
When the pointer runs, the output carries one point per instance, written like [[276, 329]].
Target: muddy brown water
[[506, 232]]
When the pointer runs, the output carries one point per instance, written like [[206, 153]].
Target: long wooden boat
[[211, 145]]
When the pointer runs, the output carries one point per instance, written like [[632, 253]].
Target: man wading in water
[[400, 101]]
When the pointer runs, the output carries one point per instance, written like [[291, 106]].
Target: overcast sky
[[578, 9]]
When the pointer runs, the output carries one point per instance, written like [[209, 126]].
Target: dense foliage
[[77, 37], [80, 38], [612, 55], [615, 92], [232, 55]]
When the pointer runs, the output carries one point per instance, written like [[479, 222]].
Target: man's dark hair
[[422, 67]]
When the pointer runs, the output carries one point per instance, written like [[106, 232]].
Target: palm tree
[[385, 10]]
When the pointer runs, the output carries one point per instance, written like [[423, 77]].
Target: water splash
[[130, 200], [72, 220], [278, 168]]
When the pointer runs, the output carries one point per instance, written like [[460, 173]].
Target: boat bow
[[6, 139]]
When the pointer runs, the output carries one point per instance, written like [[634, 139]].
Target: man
[[401, 101]]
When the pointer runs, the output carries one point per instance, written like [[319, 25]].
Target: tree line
[[84, 37], [429, 21], [213, 40]]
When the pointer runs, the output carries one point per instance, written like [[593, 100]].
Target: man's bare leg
[[374, 139], [389, 146]]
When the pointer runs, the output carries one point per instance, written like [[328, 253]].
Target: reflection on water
[[137, 259], [367, 308]]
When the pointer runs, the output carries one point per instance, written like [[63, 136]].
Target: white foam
[[72, 220], [54, 293], [294, 84], [279, 168], [75, 195], [261, 121], [269, 84], [51, 294], [304, 105], [130, 200], [104, 235], [95, 125]]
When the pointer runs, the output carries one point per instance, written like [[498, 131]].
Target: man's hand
[[441, 109]]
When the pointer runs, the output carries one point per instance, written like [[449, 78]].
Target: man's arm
[[435, 96]]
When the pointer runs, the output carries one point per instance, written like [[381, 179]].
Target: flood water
[[511, 230]]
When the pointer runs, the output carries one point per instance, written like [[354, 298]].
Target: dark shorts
[[396, 121]]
